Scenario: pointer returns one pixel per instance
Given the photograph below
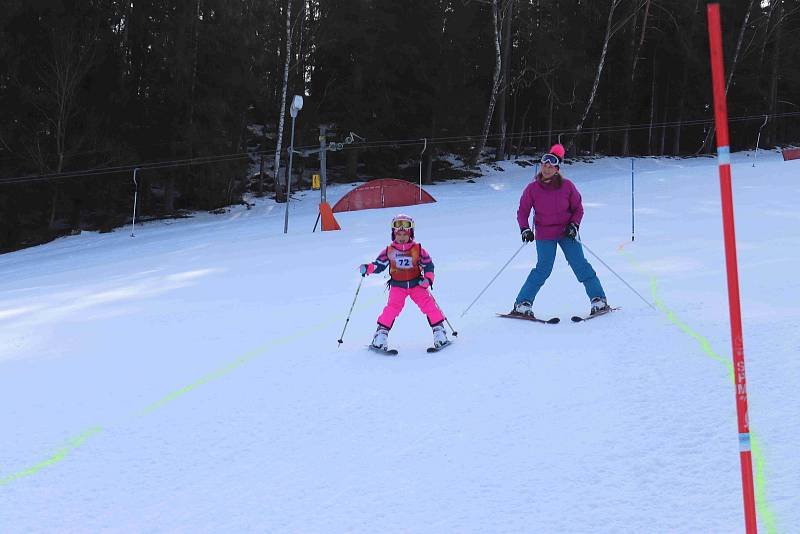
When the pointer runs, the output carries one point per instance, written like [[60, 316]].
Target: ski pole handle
[[341, 338], [493, 279]]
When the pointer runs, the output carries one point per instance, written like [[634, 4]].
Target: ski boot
[[439, 336], [522, 308], [381, 339], [599, 305]]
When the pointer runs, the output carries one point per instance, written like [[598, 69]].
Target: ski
[[437, 349], [385, 352], [552, 320], [579, 318]]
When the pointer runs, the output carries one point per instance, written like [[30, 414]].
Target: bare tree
[[735, 61], [508, 9], [766, 34], [359, 65], [282, 111], [60, 78], [610, 30], [496, 80], [635, 49], [641, 38], [772, 132]]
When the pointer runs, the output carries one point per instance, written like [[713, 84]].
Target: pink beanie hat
[[557, 150]]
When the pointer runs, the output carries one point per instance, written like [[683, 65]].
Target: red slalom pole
[[724, 160]]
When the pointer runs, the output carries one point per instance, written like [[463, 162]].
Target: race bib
[[403, 262]]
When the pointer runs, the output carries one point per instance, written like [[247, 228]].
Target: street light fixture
[[297, 105]]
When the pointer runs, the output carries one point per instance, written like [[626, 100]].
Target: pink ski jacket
[[554, 208]]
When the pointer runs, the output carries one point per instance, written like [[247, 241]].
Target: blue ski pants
[[546, 256]]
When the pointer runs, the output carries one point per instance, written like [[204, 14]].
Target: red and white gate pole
[[724, 160]]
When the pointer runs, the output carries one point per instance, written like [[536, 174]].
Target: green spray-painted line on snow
[[764, 511], [80, 439], [704, 344], [60, 454], [238, 362], [231, 366]]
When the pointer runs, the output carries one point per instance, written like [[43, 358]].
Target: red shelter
[[383, 193], [791, 153]]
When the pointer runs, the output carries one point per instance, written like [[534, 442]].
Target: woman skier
[[411, 270], [557, 215]]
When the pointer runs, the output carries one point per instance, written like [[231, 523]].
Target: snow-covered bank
[[195, 369]]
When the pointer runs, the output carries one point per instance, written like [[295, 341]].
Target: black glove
[[572, 230], [527, 235]]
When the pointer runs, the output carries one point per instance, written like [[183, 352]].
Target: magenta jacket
[[554, 208]]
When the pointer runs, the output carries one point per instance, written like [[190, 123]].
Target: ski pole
[[350, 312], [493, 279], [578, 239], [455, 334]]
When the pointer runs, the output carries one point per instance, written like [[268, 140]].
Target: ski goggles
[[552, 159], [402, 225]]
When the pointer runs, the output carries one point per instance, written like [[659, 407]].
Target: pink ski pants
[[397, 299]]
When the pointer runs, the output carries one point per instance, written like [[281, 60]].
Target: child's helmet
[[404, 222]]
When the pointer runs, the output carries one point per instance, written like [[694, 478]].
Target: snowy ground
[[189, 379]]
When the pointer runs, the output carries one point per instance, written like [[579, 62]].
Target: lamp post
[[297, 105]]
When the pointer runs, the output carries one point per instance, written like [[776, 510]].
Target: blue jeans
[[546, 255]]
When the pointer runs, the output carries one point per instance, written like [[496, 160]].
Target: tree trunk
[[69, 65], [195, 55], [280, 188], [427, 166], [677, 146], [261, 176], [169, 195], [430, 153], [652, 110], [766, 36], [10, 226], [501, 105], [632, 62], [54, 204], [522, 129], [508, 146], [351, 160], [496, 79], [600, 64], [641, 38], [662, 146], [742, 30], [773, 84]]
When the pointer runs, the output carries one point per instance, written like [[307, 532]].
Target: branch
[[600, 63]]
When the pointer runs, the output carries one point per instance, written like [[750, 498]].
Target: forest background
[[195, 93]]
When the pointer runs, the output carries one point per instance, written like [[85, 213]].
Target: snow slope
[[189, 379]]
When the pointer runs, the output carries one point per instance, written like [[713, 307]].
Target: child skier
[[411, 270]]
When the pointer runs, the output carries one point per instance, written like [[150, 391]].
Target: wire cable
[[378, 144]]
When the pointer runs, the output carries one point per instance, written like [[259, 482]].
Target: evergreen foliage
[[99, 84]]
